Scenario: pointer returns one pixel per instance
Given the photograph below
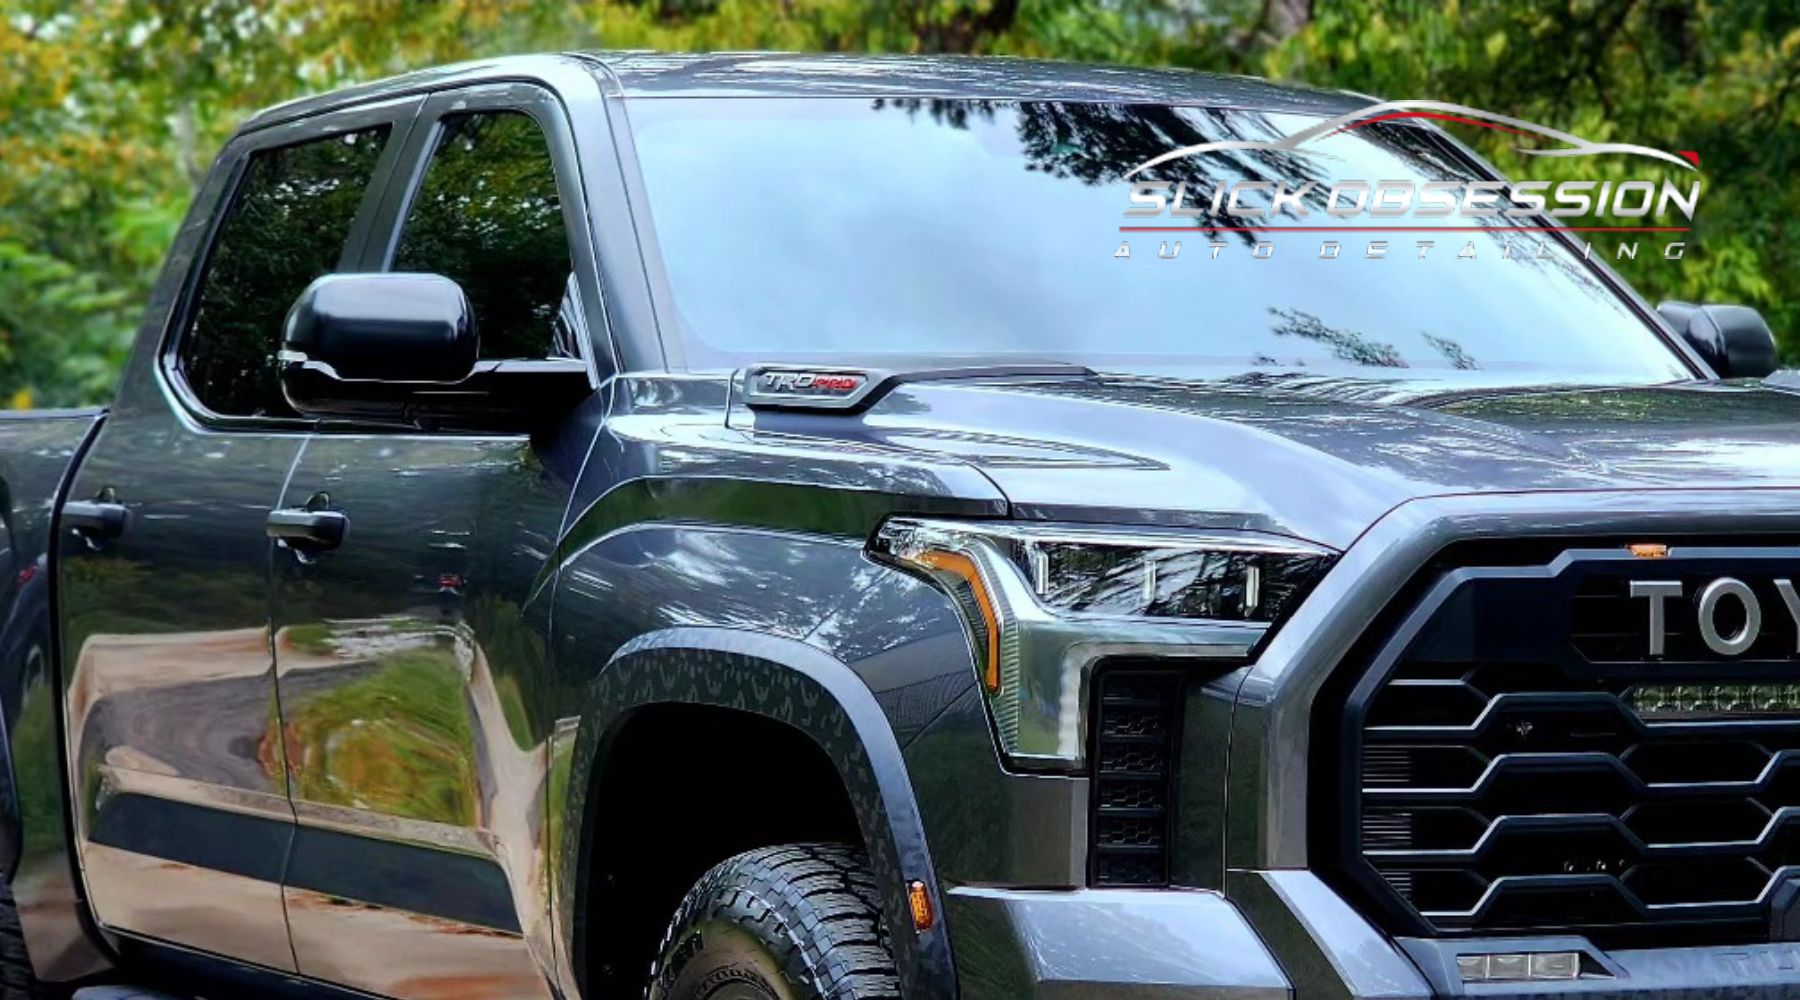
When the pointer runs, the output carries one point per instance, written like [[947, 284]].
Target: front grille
[[1135, 722], [1518, 763]]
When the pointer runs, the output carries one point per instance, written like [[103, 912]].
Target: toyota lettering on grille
[[1727, 612]]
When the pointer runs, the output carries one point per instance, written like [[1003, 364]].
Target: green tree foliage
[[111, 109]]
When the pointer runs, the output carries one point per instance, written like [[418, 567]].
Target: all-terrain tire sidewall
[[798, 922], [713, 953]]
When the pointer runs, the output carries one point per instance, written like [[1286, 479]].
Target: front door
[[173, 729], [411, 654]]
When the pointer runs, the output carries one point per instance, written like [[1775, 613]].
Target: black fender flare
[[803, 687]]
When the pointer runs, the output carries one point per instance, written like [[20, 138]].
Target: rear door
[[173, 729], [412, 655]]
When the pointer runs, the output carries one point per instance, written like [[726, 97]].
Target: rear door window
[[286, 226]]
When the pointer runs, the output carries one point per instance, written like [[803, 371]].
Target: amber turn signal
[[963, 568], [923, 918]]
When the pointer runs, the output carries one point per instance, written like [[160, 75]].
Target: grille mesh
[[1135, 721], [1519, 769]]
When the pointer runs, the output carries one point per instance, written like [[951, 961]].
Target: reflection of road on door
[[169, 735], [397, 732], [186, 718]]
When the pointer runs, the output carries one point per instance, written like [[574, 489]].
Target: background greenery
[[110, 110]]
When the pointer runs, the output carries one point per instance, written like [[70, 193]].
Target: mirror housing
[[1734, 340], [403, 348]]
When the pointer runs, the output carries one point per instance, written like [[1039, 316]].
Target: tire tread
[[815, 905]]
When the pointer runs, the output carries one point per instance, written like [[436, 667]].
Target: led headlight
[[1044, 602]]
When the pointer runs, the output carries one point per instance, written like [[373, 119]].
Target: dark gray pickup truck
[[736, 527]]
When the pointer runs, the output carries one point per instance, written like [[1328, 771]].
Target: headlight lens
[[1043, 602], [1218, 578]]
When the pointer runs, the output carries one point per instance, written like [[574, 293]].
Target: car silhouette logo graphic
[[1574, 145]]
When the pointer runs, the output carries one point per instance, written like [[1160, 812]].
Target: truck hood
[[1324, 458]]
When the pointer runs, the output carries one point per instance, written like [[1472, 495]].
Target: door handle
[[308, 530], [95, 519]]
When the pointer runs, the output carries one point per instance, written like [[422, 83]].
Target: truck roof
[[786, 74], [782, 74]]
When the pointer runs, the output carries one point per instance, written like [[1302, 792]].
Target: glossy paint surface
[[412, 657], [651, 74], [37, 453], [1110, 945], [168, 674], [179, 790], [991, 826], [1320, 940], [773, 74], [409, 660], [684, 528], [1324, 461]]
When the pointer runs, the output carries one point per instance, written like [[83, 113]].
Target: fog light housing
[[1043, 602]]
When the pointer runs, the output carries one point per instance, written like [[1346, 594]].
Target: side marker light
[[923, 918]]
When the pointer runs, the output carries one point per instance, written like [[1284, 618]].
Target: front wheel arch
[[795, 685]]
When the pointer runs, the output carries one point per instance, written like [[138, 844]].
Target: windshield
[[855, 229]]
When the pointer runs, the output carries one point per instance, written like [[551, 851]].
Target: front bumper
[[1285, 934], [1108, 944], [1328, 950]]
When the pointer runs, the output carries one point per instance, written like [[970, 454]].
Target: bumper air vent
[[1135, 721]]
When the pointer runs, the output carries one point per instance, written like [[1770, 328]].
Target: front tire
[[799, 922]]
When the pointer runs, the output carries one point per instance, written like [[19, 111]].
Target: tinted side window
[[487, 216], [286, 226]]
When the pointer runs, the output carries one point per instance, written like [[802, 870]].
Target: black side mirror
[[391, 327], [404, 348], [1734, 340]]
